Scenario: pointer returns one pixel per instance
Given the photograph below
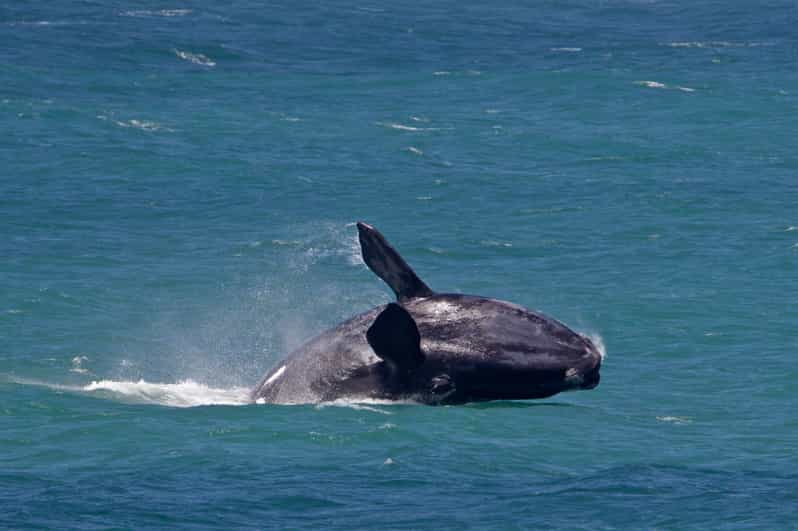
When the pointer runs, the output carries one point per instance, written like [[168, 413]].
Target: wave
[[402, 127], [196, 58], [715, 44], [143, 125], [658, 85], [189, 393], [367, 404], [186, 393], [157, 13]]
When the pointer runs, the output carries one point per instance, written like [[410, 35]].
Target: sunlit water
[[178, 190]]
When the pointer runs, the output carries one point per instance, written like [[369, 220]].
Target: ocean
[[179, 189]]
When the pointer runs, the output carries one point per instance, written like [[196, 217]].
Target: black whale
[[433, 348]]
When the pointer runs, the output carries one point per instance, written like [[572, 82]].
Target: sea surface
[[179, 183]]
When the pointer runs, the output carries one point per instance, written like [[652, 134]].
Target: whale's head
[[519, 371], [468, 348]]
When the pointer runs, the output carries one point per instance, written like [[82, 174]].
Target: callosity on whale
[[432, 347]]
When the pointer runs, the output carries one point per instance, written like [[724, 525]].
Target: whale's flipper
[[388, 265], [394, 337]]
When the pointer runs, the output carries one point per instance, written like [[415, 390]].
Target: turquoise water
[[178, 192]]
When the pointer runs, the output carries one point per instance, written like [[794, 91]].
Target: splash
[[186, 393], [77, 364], [598, 342]]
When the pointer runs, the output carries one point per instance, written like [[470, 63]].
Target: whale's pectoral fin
[[388, 265], [394, 337]]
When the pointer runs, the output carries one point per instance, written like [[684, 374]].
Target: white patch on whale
[[274, 376]]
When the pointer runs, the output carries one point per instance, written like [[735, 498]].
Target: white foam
[[400, 127], [196, 58], [143, 125], [186, 393], [675, 420], [495, 243], [716, 44], [658, 85], [566, 49], [651, 84], [158, 13], [365, 404]]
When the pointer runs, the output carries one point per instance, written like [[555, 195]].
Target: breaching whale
[[434, 348]]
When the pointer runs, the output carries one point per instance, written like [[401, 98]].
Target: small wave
[[675, 420], [196, 58], [290, 243], [658, 85], [414, 150], [566, 49], [715, 44], [651, 84], [157, 13], [366, 404], [46, 23], [142, 125], [495, 243], [400, 126]]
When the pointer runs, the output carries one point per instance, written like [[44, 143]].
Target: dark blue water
[[178, 186]]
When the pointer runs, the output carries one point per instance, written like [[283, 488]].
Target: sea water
[[179, 183]]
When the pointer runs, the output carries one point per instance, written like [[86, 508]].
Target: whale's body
[[433, 348]]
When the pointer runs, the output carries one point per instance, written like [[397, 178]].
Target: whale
[[432, 348]]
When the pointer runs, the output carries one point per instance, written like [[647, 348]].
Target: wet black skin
[[466, 349]]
